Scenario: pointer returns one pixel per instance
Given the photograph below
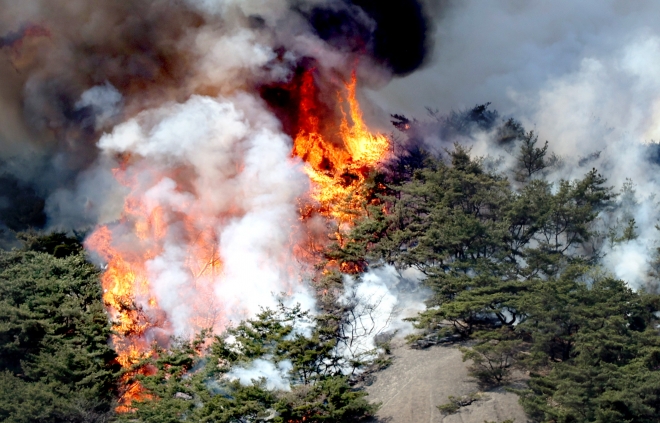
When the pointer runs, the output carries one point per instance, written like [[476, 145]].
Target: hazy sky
[[509, 51]]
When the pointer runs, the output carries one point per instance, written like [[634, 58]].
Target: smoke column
[[201, 143], [172, 124]]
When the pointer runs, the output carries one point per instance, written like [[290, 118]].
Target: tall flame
[[125, 279], [337, 172]]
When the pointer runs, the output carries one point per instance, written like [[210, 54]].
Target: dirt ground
[[419, 380]]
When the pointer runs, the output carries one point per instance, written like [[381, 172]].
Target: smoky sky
[[52, 53], [582, 75], [500, 50]]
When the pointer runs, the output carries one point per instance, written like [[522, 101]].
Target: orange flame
[[337, 171], [132, 390], [337, 165], [125, 280]]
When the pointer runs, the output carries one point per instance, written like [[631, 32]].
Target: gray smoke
[[177, 84], [73, 69], [582, 75]]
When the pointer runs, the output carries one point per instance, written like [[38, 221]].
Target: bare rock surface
[[419, 380]]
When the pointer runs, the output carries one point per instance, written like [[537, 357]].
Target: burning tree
[[172, 235]]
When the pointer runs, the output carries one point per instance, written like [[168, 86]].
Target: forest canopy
[[513, 261], [511, 256]]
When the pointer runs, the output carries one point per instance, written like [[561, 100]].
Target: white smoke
[[276, 375], [582, 75], [378, 302], [271, 10], [228, 60], [244, 191], [608, 108], [496, 50], [631, 260], [584, 78], [105, 102]]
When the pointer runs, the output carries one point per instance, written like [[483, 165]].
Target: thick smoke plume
[[72, 70], [151, 114], [165, 130], [244, 191]]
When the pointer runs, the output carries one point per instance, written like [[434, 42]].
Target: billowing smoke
[[244, 191], [377, 305], [70, 71], [166, 130], [275, 374], [171, 123], [73, 70]]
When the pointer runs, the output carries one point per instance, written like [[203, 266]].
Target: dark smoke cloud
[[396, 33], [402, 39], [69, 71], [20, 207], [502, 50]]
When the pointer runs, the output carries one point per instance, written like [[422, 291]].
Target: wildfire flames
[[336, 170]]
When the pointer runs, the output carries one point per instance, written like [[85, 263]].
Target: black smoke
[[396, 33], [21, 208], [52, 55]]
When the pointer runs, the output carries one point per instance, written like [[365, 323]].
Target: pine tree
[[55, 359]]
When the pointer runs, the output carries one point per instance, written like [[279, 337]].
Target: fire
[[337, 162], [132, 391], [125, 281], [122, 281], [337, 171]]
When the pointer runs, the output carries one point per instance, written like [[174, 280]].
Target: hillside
[[418, 381]]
